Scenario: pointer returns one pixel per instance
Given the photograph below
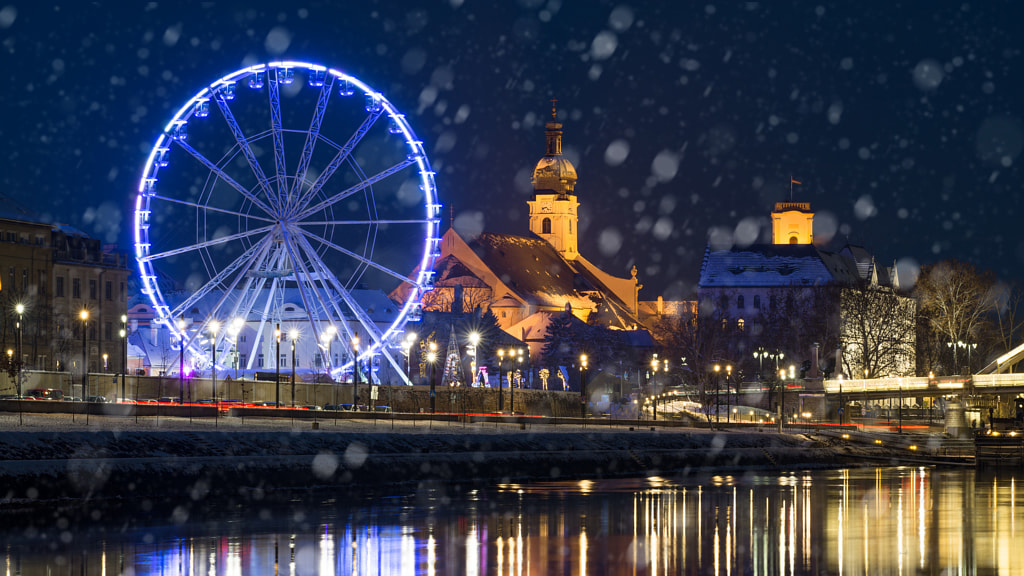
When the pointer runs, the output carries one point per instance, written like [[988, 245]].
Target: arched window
[[757, 302], [794, 240], [740, 324], [739, 301], [545, 226]]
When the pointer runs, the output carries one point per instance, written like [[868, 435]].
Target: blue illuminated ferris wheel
[[286, 186]]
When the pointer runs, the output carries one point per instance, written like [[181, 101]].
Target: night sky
[[685, 120]]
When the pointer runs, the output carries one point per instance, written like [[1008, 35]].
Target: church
[[524, 280]]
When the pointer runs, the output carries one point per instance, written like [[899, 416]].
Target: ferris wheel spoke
[[207, 244], [359, 222], [355, 256], [223, 176], [370, 181], [329, 278], [368, 324], [305, 284], [312, 135], [216, 281], [243, 145], [339, 158], [212, 209], [278, 138]]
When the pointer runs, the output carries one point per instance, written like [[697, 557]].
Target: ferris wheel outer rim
[[424, 270]]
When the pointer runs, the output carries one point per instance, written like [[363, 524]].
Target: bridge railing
[[906, 384], [998, 380]]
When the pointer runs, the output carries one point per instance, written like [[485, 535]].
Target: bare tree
[[957, 301], [1009, 318], [878, 331]]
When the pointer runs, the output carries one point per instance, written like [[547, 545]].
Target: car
[[45, 394], [96, 398], [311, 407], [167, 400], [9, 397]]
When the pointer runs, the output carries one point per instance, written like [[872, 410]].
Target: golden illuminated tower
[[792, 223], [553, 210]]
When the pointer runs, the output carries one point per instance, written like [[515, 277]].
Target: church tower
[[553, 210], [792, 223]]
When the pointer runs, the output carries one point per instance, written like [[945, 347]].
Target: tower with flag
[[792, 222]]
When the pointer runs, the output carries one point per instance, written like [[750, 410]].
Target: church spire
[[553, 132]]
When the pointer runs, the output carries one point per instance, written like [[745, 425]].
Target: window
[[107, 331], [242, 359], [76, 287], [740, 324], [108, 291], [241, 337], [794, 240], [11, 273], [757, 302], [739, 301], [545, 226], [284, 360], [60, 287], [92, 289], [42, 282], [259, 361]]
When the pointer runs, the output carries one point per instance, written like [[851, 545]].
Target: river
[[851, 521]]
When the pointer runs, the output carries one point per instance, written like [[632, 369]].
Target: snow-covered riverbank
[[115, 458]]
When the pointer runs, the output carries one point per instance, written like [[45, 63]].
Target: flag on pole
[[794, 181]]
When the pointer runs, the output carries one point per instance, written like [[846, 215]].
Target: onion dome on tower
[[553, 171]]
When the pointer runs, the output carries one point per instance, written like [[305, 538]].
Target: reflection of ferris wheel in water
[[265, 189]]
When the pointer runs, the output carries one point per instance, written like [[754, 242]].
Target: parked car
[[44, 394], [96, 398]]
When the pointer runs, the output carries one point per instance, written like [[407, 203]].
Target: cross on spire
[[553, 109]]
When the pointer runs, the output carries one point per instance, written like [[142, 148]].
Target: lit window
[[740, 324]]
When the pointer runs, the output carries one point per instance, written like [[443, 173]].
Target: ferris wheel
[[286, 192]]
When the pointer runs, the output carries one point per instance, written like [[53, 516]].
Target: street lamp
[[410, 339], [124, 353], [355, 372], [474, 340], [432, 358], [501, 376], [517, 381], [293, 335], [654, 393], [20, 309], [728, 393], [277, 363], [583, 386], [234, 329], [214, 326], [760, 354], [718, 385], [181, 361], [782, 397], [84, 315]]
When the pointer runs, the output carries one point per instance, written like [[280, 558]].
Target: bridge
[[992, 379]]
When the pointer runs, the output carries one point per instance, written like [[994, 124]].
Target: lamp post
[[181, 360], [728, 393], [124, 352], [718, 387], [325, 351], [654, 393], [517, 380], [760, 354], [407, 342], [782, 397], [214, 327], [583, 387], [501, 376], [432, 358], [954, 346], [277, 363], [20, 309], [474, 340], [355, 373], [84, 315], [293, 335]]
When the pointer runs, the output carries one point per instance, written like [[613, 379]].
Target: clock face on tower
[[545, 207]]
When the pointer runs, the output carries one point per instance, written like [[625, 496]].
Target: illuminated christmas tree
[[452, 365]]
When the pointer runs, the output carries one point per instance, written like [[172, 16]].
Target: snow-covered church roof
[[768, 265]]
